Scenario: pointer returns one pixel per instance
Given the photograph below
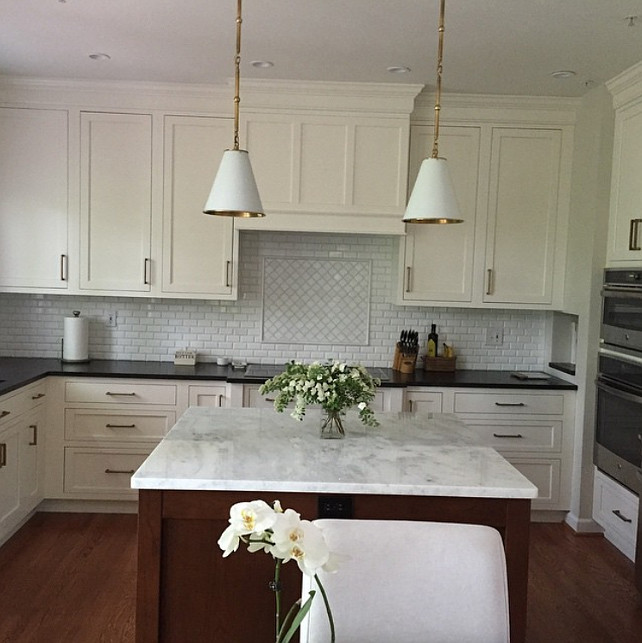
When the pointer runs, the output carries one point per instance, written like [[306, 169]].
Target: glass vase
[[332, 425]]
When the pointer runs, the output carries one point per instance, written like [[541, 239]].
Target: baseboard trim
[[583, 525], [89, 506]]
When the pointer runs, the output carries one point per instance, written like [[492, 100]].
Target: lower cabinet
[[22, 417], [616, 509], [216, 395]]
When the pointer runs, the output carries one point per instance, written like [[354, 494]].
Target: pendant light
[[433, 198], [234, 192]]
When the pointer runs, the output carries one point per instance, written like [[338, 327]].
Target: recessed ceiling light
[[563, 73], [262, 64], [398, 69], [100, 56]]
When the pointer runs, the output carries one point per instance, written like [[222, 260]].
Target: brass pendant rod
[[440, 57], [237, 75]]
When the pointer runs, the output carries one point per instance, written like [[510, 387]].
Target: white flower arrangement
[[335, 386], [286, 537]]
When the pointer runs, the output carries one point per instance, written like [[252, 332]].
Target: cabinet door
[[423, 402], [115, 201], [439, 258], [33, 198], [625, 233], [210, 395], [9, 473], [30, 457], [197, 248], [522, 215]]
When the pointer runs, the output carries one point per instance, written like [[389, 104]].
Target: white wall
[[31, 325]]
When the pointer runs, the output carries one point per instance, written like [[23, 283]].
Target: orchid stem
[[277, 596]]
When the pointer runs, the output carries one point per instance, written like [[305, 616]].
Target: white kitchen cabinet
[[328, 172], [616, 509], [34, 199], [115, 202], [523, 215], [532, 430], [438, 262], [625, 219], [22, 419], [208, 395], [512, 187], [422, 400], [198, 250]]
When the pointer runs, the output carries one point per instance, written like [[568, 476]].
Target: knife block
[[404, 363]]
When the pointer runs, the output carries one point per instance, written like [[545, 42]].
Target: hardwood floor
[[71, 578]]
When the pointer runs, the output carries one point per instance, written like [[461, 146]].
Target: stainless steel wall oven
[[618, 437]]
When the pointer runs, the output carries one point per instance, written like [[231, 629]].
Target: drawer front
[[504, 403], [616, 509], [254, 400], [545, 475], [106, 424], [207, 396], [518, 435], [424, 402], [14, 404], [100, 472], [120, 392]]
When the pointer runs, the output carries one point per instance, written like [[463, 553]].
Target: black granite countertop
[[18, 371]]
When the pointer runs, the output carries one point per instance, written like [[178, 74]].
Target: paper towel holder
[[76, 315]]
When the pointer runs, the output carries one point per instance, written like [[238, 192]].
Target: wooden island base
[[187, 592]]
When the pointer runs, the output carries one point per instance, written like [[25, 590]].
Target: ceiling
[[491, 46]]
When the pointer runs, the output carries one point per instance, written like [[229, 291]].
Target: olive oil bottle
[[433, 342]]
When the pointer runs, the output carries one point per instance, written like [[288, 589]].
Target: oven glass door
[[619, 422], [622, 318]]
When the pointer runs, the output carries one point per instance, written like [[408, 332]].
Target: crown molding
[[626, 86]]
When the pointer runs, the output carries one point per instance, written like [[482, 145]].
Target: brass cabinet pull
[[269, 399], [622, 517], [3, 454], [34, 439], [507, 435], [120, 426], [228, 265], [37, 397], [4, 414], [127, 471], [410, 405], [116, 393], [408, 273], [634, 243], [510, 404], [489, 281], [63, 267], [146, 265]]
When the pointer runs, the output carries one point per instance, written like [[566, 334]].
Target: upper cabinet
[[34, 199], [197, 253], [625, 222], [512, 184], [115, 202]]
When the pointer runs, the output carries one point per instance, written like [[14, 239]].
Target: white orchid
[[284, 535]]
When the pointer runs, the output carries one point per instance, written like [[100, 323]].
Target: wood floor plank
[[71, 578]]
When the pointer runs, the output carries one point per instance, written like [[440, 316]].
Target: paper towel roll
[[75, 343]]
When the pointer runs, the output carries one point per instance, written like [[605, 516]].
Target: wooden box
[[443, 364]]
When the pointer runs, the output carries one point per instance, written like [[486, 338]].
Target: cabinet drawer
[[545, 475], [97, 472], [120, 392], [13, 404], [527, 403], [106, 424], [518, 435], [616, 509]]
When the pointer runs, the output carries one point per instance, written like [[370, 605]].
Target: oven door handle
[[629, 397], [631, 292]]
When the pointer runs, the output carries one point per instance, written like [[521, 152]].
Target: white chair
[[411, 582]]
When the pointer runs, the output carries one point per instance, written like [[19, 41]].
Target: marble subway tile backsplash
[[152, 329]]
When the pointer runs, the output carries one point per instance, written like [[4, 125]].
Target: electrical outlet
[[112, 318], [495, 336]]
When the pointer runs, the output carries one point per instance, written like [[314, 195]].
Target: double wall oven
[[618, 436]]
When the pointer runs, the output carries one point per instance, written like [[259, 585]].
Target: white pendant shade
[[234, 192], [433, 197]]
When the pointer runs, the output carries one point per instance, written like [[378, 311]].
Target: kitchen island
[[411, 467]]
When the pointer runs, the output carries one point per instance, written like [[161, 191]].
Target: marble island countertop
[[261, 450]]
